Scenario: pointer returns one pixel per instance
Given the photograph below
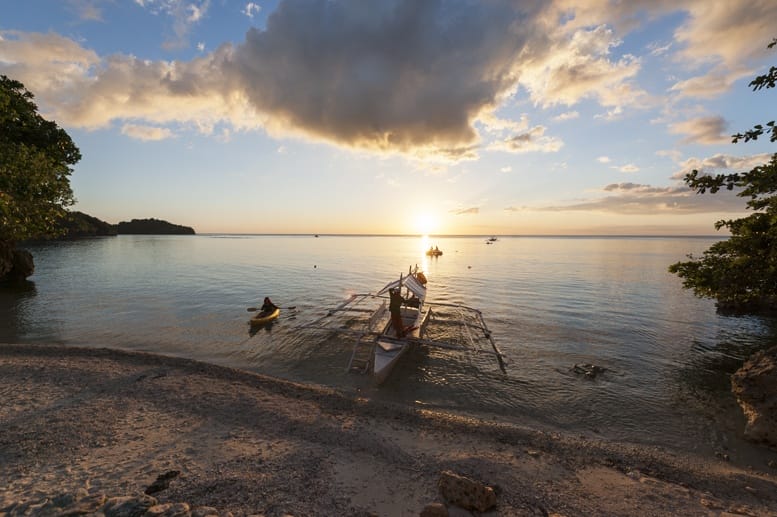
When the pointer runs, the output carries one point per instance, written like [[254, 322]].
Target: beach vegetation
[[740, 273], [36, 159]]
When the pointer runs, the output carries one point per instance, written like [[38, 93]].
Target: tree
[[741, 272], [36, 157]]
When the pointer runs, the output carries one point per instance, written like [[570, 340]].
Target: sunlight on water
[[551, 303]]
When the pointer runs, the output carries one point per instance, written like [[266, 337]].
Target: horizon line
[[468, 235]]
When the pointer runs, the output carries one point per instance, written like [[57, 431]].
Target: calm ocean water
[[551, 302]]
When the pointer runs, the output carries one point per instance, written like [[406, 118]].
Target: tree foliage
[[741, 272], [36, 157]]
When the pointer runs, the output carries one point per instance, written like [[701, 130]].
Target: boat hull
[[385, 360], [389, 349], [265, 317]]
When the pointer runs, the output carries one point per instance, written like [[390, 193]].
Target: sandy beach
[[100, 421]]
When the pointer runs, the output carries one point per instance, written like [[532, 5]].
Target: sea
[[550, 303]]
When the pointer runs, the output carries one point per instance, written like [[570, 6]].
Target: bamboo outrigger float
[[378, 346]]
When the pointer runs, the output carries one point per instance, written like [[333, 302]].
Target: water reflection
[[255, 329], [15, 297], [710, 362]]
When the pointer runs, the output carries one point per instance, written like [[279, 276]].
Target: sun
[[425, 223]]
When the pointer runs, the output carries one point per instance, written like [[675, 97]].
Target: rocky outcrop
[[15, 264], [755, 387]]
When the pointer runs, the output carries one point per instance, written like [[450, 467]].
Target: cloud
[[732, 32], [656, 49], [581, 67], [603, 159], [146, 132], [628, 168], [398, 76], [712, 84], [495, 124], [506, 169], [420, 78], [405, 77], [251, 9], [88, 10], [184, 13], [727, 32], [466, 211], [49, 65], [78, 89], [636, 188], [638, 199], [569, 115], [720, 40], [721, 164], [672, 154], [532, 140], [703, 130]]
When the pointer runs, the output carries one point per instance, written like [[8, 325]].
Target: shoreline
[[111, 421]]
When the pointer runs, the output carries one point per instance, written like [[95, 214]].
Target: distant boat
[[434, 252], [492, 239]]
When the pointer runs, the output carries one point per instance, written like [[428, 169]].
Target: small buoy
[[469, 267], [314, 266]]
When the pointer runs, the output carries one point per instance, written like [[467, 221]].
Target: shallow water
[[551, 303]]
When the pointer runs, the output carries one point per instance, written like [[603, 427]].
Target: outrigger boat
[[379, 347], [415, 316]]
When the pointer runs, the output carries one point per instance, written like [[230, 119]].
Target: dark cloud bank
[[382, 75]]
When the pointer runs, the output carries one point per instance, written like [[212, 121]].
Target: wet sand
[[111, 421]]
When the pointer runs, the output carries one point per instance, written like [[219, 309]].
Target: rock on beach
[[755, 387]]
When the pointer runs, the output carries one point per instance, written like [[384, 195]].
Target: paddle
[[254, 309]]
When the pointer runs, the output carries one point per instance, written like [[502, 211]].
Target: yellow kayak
[[265, 317]]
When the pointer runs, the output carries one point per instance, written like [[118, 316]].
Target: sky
[[488, 117]]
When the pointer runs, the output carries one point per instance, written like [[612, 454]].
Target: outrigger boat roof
[[365, 317], [408, 281]]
